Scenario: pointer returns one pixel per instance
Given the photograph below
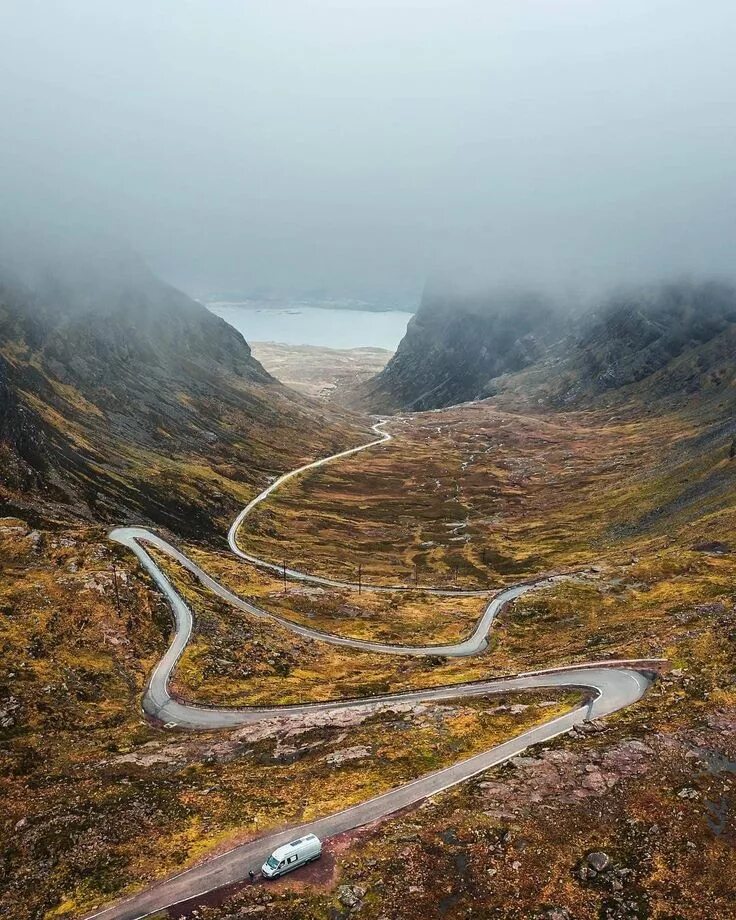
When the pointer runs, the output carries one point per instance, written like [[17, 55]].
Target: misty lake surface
[[307, 325]]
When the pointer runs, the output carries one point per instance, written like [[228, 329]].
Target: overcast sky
[[360, 146]]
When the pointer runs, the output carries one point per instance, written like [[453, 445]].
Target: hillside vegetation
[[605, 451], [121, 398]]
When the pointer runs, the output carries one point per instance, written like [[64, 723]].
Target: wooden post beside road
[[115, 585]]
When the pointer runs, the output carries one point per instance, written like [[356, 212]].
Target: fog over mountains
[[119, 394], [461, 347], [354, 149], [483, 646], [515, 162]]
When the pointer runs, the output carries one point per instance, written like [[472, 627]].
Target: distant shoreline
[[315, 349], [296, 305], [305, 324]]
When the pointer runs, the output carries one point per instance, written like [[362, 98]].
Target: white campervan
[[292, 855]]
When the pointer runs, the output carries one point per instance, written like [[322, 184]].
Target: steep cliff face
[[122, 397], [669, 342], [22, 438], [94, 321], [663, 341], [454, 346], [637, 335]]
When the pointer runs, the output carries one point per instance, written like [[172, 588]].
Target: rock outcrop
[[669, 339], [455, 345]]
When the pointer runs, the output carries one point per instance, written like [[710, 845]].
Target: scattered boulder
[[598, 860], [592, 727], [359, 752], [9, 712], [350, 896], [713, 548]]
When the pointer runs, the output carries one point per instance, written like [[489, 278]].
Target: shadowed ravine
[[610, 686]]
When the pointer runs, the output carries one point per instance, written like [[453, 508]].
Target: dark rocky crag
[[456, 344], [667, 340], [643, 335]]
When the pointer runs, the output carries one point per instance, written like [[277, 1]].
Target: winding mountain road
[[610, 686], [295, 574]]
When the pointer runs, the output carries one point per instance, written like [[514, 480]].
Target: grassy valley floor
[[650, 517], [477, 497], [98, 802], [647, 797]]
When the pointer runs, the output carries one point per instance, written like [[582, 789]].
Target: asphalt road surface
[[610, 685]]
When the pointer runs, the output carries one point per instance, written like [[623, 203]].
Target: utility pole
[[416, 575], [360, 578], [284, 574], [115, 586]]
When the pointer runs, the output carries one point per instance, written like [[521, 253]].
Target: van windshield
[[272, 863]]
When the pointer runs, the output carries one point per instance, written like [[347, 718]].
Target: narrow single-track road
[[610, 686], [232, 536]]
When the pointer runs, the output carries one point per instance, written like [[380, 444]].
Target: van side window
[[293, 858]]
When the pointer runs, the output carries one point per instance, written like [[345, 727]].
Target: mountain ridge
[[556, 358], [122, 397], [455, 343]]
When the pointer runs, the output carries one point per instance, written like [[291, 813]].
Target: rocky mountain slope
[[666, 339], [122, 398], [456, 343], [669, 342]]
